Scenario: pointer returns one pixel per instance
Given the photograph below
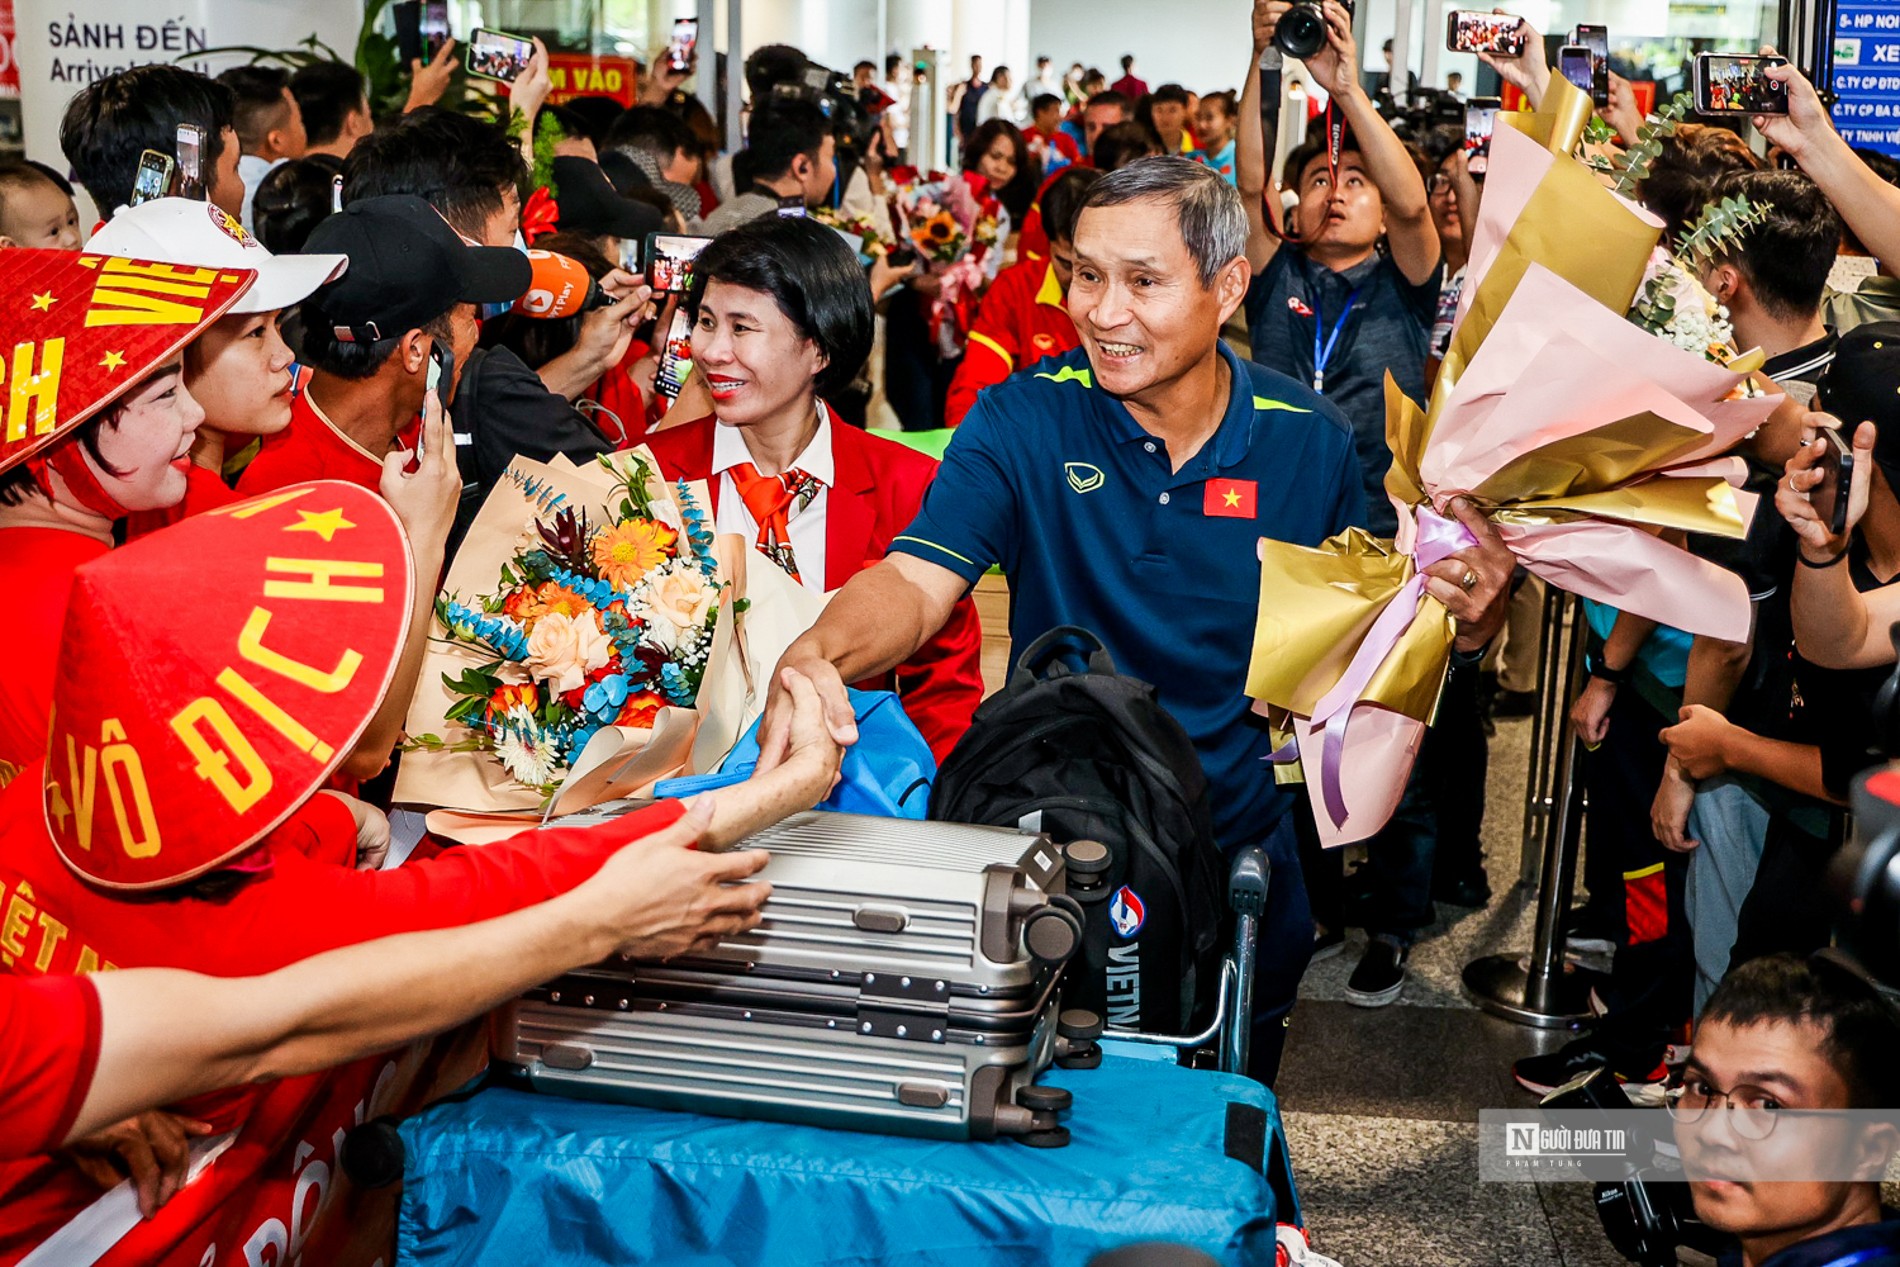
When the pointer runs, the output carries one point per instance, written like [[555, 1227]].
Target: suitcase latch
[[894, 1005]]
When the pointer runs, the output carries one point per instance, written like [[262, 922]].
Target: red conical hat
[[213, 674], [77, 330]]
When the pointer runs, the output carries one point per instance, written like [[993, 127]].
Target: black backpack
[[1098, 758]]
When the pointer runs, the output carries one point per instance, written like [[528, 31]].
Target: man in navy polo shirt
[[1123, 488]]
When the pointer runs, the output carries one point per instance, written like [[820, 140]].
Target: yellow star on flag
[[112, 361], [44, 301], [325, 524], [1231, 497]]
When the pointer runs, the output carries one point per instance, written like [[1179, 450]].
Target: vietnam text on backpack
[[1097, 757]]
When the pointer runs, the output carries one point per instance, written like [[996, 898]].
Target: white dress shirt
[[807, 525]]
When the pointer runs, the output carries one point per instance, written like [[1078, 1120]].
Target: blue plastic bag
[[887, 772]]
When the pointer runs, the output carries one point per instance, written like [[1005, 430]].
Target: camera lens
[[1302, 32]]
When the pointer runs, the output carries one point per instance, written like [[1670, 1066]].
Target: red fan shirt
[[310, 448], [49, 1046], [266, 1188], [36, 575]]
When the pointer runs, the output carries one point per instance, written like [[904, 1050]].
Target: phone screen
[[154, 178], [434, 27], [1727, 83], [190, 145], [676, 357], [1481, 117], [1837, 470], [679, 50], [1573, 62], [669, 261], [1470, 31], [498, 55], [1596, 38]]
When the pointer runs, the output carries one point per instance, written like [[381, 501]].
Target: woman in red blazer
[[781, 314]]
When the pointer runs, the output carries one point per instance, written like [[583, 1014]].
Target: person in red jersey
[[1025, 315], [99, 425], [80, 1053], [239, 370], [782, 314], [211, 677], [400, 317]]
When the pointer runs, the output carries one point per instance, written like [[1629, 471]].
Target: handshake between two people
[[679, 890]]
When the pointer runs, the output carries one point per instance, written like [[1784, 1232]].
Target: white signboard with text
[[62, 47]]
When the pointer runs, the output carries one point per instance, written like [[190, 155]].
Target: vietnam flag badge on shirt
[[1229, 499]]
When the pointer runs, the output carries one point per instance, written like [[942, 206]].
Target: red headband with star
[[79, 330], [211, 677]]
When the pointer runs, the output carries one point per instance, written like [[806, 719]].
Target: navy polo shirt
[[1374, 319], [1052, 478]]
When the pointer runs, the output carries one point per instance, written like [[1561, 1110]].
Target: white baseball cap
[[185, 231]]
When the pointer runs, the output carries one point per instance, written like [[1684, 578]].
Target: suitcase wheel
[[1054, 1137], [1052, 935], [1045, 1099], [1077, 1022], [1080, 1054]]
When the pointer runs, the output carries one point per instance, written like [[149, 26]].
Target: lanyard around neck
[[1323, 345]]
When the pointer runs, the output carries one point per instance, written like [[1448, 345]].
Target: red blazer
[[880, 486]]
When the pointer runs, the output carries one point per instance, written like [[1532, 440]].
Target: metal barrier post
[[1544, 995], [1542, 773]]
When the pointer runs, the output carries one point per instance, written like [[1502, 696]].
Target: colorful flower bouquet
[[583, 600], [859, 233], [954, 222], [1584, 405]]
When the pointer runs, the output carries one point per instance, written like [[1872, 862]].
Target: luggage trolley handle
[[1232, 1023]]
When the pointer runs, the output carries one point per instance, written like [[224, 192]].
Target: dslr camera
[[831, 92], [1302, 31]]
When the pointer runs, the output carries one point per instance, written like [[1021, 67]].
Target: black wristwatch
[[1604, 673]]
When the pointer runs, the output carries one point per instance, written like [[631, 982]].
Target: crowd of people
[[330, 345]]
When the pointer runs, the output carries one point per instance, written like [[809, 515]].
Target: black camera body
[[1302, 30], [1648, 1213], [832, 93]]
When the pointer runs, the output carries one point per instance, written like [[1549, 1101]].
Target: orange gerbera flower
[[625, 552], [529, 603], [641, 709]]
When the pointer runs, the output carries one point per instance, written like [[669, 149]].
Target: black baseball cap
[[1862, 384], [407, 267], [590, 204]]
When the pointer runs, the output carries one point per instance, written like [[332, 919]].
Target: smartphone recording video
[[676, 356], [1481, 117], [498, 55], [679, 49], [1596, 38], [670, 259], [154, 177], [1573, 63], [1469, 31], [1727, 83], [1829, 497], [189, 143]]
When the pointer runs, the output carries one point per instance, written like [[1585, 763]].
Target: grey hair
[[1212, 218]]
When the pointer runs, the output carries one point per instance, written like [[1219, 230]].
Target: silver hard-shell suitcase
[[904, 980]]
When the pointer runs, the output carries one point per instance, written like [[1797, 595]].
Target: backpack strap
[[1039, 660]]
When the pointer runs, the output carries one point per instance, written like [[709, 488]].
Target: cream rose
[[564, 649], [678, 601]]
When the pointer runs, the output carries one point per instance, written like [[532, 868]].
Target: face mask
[[485, 311]]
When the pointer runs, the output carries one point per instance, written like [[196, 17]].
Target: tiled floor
[[1381, 1106]]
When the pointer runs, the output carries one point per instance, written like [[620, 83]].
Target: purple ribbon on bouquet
[[1438, 539]]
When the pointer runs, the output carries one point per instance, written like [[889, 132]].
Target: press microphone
[[559, 287]]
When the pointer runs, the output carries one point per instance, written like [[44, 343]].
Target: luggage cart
[[1228, 1035]]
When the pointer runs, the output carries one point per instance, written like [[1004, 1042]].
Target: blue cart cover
[[1158, 1152]]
